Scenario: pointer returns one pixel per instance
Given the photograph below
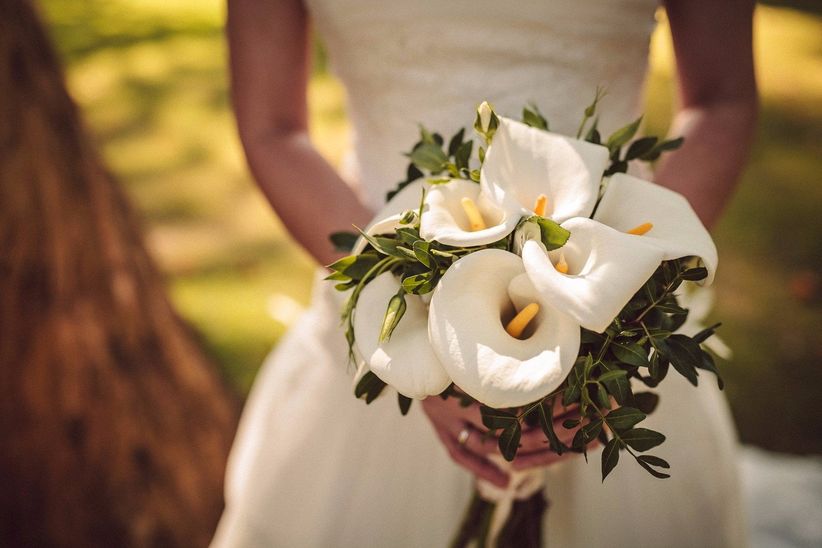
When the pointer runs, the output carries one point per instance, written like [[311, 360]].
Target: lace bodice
[[432, 61]]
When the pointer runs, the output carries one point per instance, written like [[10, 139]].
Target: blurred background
[[150, 80]]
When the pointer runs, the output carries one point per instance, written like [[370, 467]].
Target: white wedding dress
[[312, 466]]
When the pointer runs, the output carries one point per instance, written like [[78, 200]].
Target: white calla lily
[[445, 218], [603, 269], [526, 171], [469, 311], [406, 361], [629, 202], [523, 163]]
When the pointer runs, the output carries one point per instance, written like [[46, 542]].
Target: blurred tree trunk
[[114, 427]]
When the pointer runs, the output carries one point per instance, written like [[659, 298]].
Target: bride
[[313, 466]]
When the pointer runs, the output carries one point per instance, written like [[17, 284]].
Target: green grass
[[151, 78]]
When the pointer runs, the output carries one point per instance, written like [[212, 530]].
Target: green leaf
[[429, 156], [670, 308], [618, 387], [624, 418], [531, 116], [591, 337], [623, 134], [386, 246], [553, 236], [646, 461], [355, 266], [407, 235], [337, 277], [341, 265], [610, 457], [570, 424], [591, 430], [441, 253], [393, 315], [406, 252], [654, 153], [369, 386], [659, 364], [509, 441], [462, 157], [343, 240], [642, 439], [630, 353], [404, 403], [708, 364], [646, 402], [593, 135], [571, 395], [576, 379], [496, 418], [695, 274], [587, 365], [602, 397], [421, 252], [685, 356], [619, 166], [612, 375], [640, 147], [546, 422], [426, 136], [654, 461], [455, 142], [419, 283], [705, 334], [658, 334]]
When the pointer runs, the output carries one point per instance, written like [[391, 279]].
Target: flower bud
[[487, 122], [484, 112]]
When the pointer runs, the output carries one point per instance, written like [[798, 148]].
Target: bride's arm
[[269, 55], [714, 59]]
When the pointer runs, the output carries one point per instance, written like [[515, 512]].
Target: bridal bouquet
[[532, 274]]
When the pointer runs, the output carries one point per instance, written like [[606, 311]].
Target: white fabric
[[314, 467]]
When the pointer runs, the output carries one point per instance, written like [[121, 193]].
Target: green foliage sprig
[[639, 345]]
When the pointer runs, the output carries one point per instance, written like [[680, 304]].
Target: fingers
[[481, 467], [537, 459], [479, 441], [547, 457], [450, 419]]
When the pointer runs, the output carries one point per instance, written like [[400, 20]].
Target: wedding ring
[[462, 438]]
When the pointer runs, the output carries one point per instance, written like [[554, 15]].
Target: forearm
[[706, 168], [306, 192], [269, 52], [717, 90]]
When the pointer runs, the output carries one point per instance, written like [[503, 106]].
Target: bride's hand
[[450, 420]]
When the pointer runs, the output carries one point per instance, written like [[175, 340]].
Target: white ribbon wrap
[[521, 485]]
